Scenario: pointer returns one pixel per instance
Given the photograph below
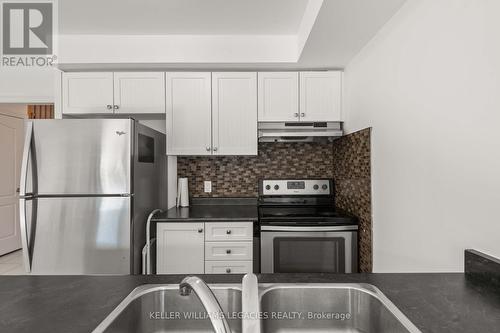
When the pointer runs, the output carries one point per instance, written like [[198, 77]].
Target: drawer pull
[[228, 270], [228, 251], [200, 230], [228, 232]]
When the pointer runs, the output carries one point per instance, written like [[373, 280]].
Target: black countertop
[[213, 210], [209, 214], [435, 303]]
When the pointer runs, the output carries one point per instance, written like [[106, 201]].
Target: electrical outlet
[[208, 186]]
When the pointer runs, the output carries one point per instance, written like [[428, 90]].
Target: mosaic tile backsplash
[[238, 176], [351, 171], [347, 160]]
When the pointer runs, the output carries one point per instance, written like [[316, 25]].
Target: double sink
[[282, 308]]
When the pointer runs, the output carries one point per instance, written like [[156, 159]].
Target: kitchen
[[304, 168]]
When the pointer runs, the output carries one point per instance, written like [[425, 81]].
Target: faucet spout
[[208, 300]]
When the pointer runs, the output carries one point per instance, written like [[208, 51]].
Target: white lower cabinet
[[229, 231], [228, 267], [228, 251], [210, 248], [180, 248]]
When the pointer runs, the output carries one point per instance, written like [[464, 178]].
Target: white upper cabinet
[[139, 92], [321, 96], [87, 93], [112, 93], [278, 96], [234, 113], [189, 113]]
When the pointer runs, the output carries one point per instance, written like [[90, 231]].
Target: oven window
[[309, 255]]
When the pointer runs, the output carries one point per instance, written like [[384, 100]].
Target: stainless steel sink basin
[[160, 308], [329, 308], [284, 308]]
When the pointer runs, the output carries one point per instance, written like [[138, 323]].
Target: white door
[[321, 96], [188, 116], [11, 142], [278, 96], [234, 113], [90, 92], [180, 248], [139, 92]]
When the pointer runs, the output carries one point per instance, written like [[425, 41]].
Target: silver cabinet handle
[[116, 107], [228, 232], [228, 251], [296, 115], [302, 114], [215, 148], [228, 270], [109, 107], [208, 148], [200, 230]]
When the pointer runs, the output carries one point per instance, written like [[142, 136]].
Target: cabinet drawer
[[228, 251], [228, 267], [234, 231]]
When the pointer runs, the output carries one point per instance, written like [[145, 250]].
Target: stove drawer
[[228, 250], [228, 267], [228, 231]]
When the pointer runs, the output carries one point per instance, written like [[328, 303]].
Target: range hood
[[298, 131]]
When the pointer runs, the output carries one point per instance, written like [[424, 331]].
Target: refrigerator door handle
[[24, 162], [24, 234]]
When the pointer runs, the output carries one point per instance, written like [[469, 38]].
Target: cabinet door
[[180, 248], [139, 92], [321, 96], [278, 96], [189, 114], [234, 113], [87, 93]]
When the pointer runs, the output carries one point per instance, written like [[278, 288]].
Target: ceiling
[[343, 28], [166, 17]]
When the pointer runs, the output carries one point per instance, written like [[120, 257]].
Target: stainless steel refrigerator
[[87, 186]]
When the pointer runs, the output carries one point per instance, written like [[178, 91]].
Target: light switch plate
[[208, 186]]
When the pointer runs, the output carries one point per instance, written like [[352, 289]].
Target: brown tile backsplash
[[347, 160], [238, 176], [351, 171]]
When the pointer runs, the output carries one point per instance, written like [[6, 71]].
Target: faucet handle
[[250, 304]]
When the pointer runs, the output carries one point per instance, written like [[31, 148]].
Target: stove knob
[[276, 187], [324, 187], [268, 187], [316, 186]]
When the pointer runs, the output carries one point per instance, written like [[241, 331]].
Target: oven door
[[294, 249]]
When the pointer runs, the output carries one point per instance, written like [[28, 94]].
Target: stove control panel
[[296, 187]]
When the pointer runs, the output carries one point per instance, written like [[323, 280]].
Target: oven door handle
[[293, 228]]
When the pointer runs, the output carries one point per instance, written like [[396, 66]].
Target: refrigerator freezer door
[[81, 235], [82, 156]]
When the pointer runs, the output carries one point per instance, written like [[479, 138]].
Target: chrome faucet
[[208, 300]]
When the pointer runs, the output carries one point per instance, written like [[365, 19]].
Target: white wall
[[429, 85], [21, 85], [184, 49]]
